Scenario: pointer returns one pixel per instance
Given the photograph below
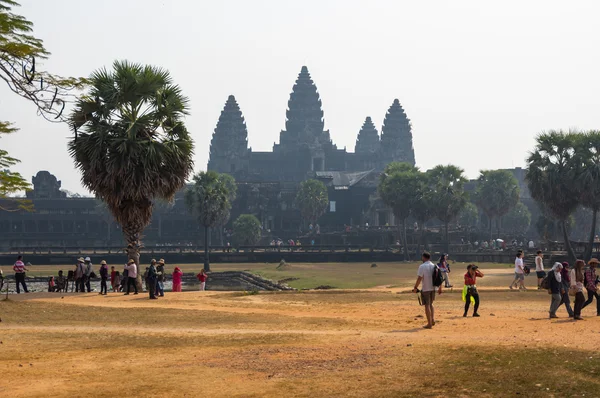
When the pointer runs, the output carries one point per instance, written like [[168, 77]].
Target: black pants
[[591, 295], [80, 285], [20, 280], [103, 287], [152, 287], [566, 300], [579, 302], [132, 281], [87, 284], [472, 293]]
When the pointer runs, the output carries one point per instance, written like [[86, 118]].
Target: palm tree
[[231, 186], [449, 197], [497, 192], [312, 200], [423, 206], [131, 144], [208, 200], [551, 177]]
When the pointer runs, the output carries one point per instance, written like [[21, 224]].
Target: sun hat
[[594, 261], [88, 259], [161, 261], [131, 261], [153, 261], [103, 262], [80, 259]]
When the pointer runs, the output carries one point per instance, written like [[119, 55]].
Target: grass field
[[336, 343]]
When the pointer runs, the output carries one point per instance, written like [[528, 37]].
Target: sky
[[478, 79]]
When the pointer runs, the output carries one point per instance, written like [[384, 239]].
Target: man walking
[[20, 269], [539, 268], [131, 268], [152, 280], [80, 275], [590, 282], [160, 278], [88, 273], [425, 275]]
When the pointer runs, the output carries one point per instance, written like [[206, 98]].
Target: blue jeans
[[160, 288]]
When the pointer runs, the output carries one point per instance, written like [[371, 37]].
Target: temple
[[305, 148]]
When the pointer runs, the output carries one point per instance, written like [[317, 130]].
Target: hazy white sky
[[478, 79]]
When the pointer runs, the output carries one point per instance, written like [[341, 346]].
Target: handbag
[[573, 290]]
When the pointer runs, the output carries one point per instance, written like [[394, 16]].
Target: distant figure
[[152, 280], [88, 273], [531, 244], [20, 269], [555, 279], [519, 280], [590, 284], [425, 275], [443, 265], [117, 284], [564, 291], [113, 274], [177, 279], [131, 268], [470, 289], [80, 275], [539, 268], [310, 227], [51, 285], [160, 278], [1, 279], [577, 285], [202, 277], [318, 229], [103, 277], [61, 282]]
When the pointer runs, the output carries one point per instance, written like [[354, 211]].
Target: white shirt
[[531, 245], [519, 265], [539, 264], [426, 272]]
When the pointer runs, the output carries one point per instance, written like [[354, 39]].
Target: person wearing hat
[[555, 288], [160, 278], [131, 268], [103, 277], [80, 275], [470, 289], [151, 279], [590, 284], [88, 273]]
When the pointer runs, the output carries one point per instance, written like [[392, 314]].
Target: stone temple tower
[[229, 146], [396, 136], [368, 138]]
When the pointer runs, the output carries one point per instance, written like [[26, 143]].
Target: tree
[[312, 200], [246, 230], [208, 200], [229, 182], [551, 177], [400, 189], [469, 216], [11, 182], [449, 197], [19, 50], [133, 147], [497, 192], [517, 220], [422, 207]]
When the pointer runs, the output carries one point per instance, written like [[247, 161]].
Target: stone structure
[[45, 186]]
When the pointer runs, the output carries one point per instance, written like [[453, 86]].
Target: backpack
[[546, 281], [437, 277]]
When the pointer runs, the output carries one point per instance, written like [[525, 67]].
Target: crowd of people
[[562, 282], [124, 281]]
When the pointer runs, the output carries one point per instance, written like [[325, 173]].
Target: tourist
[[539, 268], [51, 285], [177, 279], [470, 290], [590, 284], [566, 283], [519, 272], [443, 265], [1, 279], [61, 282], [20, 269], [103, 277], [555, 287], [113, 274], [160, 278], [131, 268], [151, 278], [117, 287], [531, 245], [425, 275], [202, 278], [577, 285], [80, 275], [88, 273]]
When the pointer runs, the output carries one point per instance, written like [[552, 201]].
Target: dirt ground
[[337, 343]]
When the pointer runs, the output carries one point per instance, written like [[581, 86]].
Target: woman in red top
[[470, 289], [202, 278]]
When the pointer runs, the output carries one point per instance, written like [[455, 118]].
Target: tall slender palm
[[131, 144], [497, 192], [551, 177], [208, 200], [449, 197]]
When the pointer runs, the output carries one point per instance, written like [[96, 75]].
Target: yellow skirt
[[464, 295]]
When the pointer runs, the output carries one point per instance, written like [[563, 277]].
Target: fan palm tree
[[551, 177], [449, 197], [497, 193], [208, 199], [131, 144]]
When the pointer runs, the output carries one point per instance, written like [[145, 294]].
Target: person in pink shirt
[[177, 279], [202, 277]]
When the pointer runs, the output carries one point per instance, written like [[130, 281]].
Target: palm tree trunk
[[206, 251], [447, 238], [132, 237], [491, 225], [407, 254], [498, 221], [568, 246], [590, 246]]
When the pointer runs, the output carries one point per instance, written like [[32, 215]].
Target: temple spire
[[367, 140], [396, 136], [229, 145]]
